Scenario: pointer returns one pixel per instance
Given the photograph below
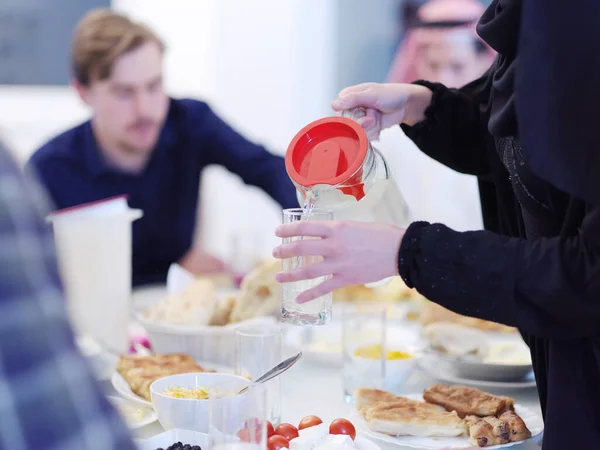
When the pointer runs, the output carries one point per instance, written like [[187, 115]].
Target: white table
[[309, 389]]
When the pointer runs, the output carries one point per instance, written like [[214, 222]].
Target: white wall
[[266, 66]]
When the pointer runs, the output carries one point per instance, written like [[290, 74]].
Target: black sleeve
[[548, 287], [454, 131]]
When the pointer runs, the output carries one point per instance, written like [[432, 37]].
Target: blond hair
[[101, 37]]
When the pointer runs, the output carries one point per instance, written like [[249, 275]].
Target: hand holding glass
[[318, 311]]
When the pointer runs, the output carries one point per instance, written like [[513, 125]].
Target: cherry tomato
[[277, 442], [244, 435], [270, 429], [254, 424], [309, 421], [287, 430], [342, 426]]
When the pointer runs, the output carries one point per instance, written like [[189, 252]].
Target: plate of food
[[313, 433], [438, 370], [445, 417], [135, 415], [470, 353], [199, 318], [135, 373]]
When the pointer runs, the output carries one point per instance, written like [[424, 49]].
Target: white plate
[[431, 366], [533, 421], [149, 415], [365, 444], [168, 438], [123, 389]]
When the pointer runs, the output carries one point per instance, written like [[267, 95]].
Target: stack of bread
[[201, 304]]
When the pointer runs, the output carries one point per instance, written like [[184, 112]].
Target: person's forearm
[[543, 286], [449, 126], [419, 100]]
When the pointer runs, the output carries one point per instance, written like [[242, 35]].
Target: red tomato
[[342, 426], [277, 442], [270, 429], [254, 425], [309, 421], [244, 435], [287, 430]]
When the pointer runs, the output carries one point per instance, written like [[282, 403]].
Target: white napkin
[[178, 279]]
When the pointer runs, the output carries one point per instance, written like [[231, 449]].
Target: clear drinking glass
[[363, 337], [257, 350], [239, 425], [315, 312]]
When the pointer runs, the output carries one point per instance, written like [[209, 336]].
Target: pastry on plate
[[518, 429], [467, 401], [195, 305], [413, 418], [365, 398], [487, 431], [433, 313], [141, 371]]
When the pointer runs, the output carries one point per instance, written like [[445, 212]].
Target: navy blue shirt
[[74, 172]]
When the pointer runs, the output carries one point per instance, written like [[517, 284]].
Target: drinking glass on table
[[239, 425], [363, 334], [257, 350], [315, 312]]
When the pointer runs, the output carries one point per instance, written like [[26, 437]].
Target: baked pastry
[[467, 401], [141, 371], [222, 315], [195, 305], [433, 313], [367, 397], [487, 431], [260, 293], [413, 418], [518, 429]]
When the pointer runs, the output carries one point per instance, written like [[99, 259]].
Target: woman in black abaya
[[528, 129]]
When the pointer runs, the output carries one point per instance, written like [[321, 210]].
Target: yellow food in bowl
[[375, 352], [199, 393]]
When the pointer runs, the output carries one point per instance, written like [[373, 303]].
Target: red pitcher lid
[[327, 151]]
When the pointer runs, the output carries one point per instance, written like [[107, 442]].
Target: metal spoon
[[275, 371]]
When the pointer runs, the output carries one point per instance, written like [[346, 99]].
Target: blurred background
[[268, 67]]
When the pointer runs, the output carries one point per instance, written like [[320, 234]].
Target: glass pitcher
[[334, 166]]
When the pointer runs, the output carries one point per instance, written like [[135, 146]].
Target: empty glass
[[315, 312], [363, 334], [257, 350], [239, 425]]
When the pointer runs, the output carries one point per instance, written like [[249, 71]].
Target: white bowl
[[168, 438], [190, 414], [397, 371], [211, 344]]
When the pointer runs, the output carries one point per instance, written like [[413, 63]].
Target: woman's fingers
[[305, 247], [324, 288], [366, 97], [304, 228], [308, 272]]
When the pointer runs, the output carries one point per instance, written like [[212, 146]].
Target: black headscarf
[[546, 87], [499, 27]]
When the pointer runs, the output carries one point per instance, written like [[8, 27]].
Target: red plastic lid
[[327, 151]]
